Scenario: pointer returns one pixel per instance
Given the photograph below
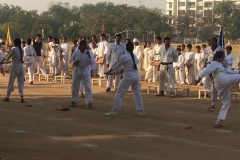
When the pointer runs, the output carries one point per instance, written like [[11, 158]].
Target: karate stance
[[130, 78], [81, 61], [224, 80], [17, 70], [139, 53], [64, 49], [168, 55], [116, 50], [179, 68], [28, 58]]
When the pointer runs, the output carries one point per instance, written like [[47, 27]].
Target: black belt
[[164, 63]]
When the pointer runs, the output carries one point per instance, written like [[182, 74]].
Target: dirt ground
[[39, 132]]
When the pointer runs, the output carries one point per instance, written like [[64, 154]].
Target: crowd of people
[[124, 63]]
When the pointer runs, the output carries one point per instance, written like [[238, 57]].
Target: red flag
[[103, 30]]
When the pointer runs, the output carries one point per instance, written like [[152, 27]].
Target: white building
[[201, 7]]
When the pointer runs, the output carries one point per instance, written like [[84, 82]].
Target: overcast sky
[[42, 5]]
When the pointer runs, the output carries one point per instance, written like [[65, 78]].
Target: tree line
[[62, 19]]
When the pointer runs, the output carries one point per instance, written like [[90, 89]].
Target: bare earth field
[[39, 132]]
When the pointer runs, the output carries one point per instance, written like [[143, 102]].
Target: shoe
[[90, 106], [172, 95], [5, 99], [112, 113], [108, 89], [142, 114], [219, 125], [31, 83], [22, 100], [73, 104], [160, 94]]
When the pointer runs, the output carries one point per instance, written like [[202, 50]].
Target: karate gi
[[114, 54], [139, 53], [224, 80], [3, 50], [81, 71], [64, 49], [102, 52], [29, 59], [130, 78], [2, 56], [231, 61], [209, 54], [167, 71], [189, 57], [179, 75], [200, 63], [94, 66], [17, 71], [53, 58], [152, 71]]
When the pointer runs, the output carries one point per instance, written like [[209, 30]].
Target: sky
[[42, 5]]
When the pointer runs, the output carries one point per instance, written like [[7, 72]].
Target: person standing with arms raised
[[39, 47]]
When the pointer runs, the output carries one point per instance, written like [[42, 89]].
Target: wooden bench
[[94, 81], [40, 76], [183, 90], [156, 88], [205, 91], [104, 81], [235, 94], [63, 78], [27, 76]]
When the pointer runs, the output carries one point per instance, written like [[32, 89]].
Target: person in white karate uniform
[[189, 65], [168, 55], [39, 48], [139, 54], [208, 55], [17, 70], [230, 57], [101, 53], [224, 80], [81, 61], [131, 78], [53, 57], [2, 66], [200, 62], [28, 58], [94, 65], [147, 50], [152, 71], [64, 49], [116, 50], [3, 49], [179, 68]]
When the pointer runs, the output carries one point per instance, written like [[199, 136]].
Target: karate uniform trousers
[[64, 65], [190, 77], [117, 79], [139, 67], [86, 78], [17, 71], [30, 68], [102, 69], [179, 76], [152, 73], [169, 74], [39, 62], [130, 78]]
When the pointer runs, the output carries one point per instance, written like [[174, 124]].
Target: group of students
[[117, 58]]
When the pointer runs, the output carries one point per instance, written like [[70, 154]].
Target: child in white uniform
[[179, 68], [200, 61]]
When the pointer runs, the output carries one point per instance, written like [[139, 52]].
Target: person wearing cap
[[101, 53], [139, 53], [116, 50]]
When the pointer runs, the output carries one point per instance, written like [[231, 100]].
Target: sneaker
[[142, 114], [22, 100], [108, 89], [5, 99], [73, 104], [90, 106], [160, 94], [172, 95], [112, 113]]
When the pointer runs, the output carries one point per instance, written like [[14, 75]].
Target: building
[[200, 7]]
